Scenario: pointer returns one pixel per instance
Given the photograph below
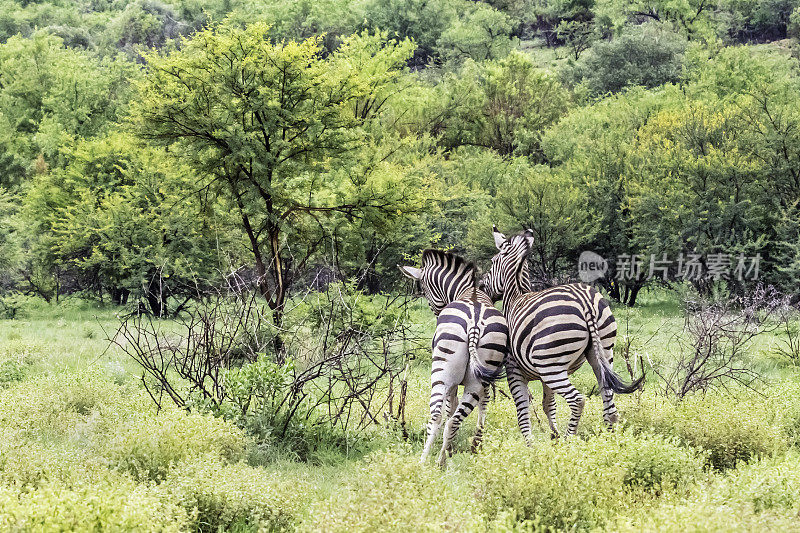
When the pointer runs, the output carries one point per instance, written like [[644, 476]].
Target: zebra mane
[[455, 262], [430, 255]]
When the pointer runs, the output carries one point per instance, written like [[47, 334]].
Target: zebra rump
[[479, 370]]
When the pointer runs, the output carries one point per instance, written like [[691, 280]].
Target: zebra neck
[[468, 293], [476, 295], [513, 293], [520, 284]]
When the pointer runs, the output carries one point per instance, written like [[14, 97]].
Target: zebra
[[552, 333], [469, 344]]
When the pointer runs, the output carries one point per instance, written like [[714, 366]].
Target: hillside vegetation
[[203, 206]]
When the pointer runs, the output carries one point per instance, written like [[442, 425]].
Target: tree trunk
[[156, 296], [613, 290], [632, 294], [279, 269], [119, 295], [370, 281]]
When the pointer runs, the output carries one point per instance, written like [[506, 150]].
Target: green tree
[[555, 207], [332, 20], [549, 15], [646, 55], [693, 18], [146, 24], [594, 145], [578, 36], [51, 96], [479, 33], [120, 218], [423, 21], [503, 105], [9, 247], [756, 20], [282, 133]]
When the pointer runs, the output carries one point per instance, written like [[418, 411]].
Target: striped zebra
[[552, 333], [469, 345]]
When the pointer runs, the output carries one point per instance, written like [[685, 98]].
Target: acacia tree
[[288, 135], [121, 218], [504, 105]]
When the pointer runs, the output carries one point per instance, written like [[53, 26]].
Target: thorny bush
[[343, 368]]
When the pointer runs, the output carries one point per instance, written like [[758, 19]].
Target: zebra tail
[[479, 370], [610, 379]]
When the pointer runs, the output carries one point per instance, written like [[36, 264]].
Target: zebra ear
[[499, 238], [410, 272], [528, 234]]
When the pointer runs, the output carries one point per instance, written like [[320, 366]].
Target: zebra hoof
[[477, 440]]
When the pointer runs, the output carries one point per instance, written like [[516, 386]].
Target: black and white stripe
[[469, 345], [552, 333]]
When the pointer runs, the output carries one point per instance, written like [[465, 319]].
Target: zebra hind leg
[[610, 414], [478, 438], [452, 403], [549, 408], [471, 398], [439, 396], [561, 384], [522, 400]]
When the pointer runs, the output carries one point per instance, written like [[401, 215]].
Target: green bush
[[784, 401], [579, 485], [728, 430], [702, 515], [224, 497], [28, 464], [147, 445], [11, 371], [761, 496], [111, 502], [648, 55], [657, 464], [768, 484], [12, 306], [87, 412], [393, 492], [65, 406]]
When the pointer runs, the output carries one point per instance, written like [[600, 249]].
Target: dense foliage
[[149, 148], [239, 179], [151, 151]]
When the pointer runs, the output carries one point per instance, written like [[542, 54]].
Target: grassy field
[[82, 448]]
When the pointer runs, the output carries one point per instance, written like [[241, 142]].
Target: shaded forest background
[[150, 149]]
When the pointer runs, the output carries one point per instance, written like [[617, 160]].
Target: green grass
[[83, 448]]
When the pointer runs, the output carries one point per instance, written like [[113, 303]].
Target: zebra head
[[443, 277], [509, 264]]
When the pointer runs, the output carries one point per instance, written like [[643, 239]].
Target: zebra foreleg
[[471, 398], [484, 401], [522, 400]]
